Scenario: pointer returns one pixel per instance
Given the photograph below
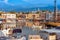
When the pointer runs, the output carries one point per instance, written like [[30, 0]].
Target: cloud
[[6, 2]]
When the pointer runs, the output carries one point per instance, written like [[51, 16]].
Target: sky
[[15, 4]]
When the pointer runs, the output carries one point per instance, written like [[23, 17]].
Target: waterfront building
[[37, 18], [29, 16], [58, 16], [10, 20], [49, 16], [21, 19], [29, 24]]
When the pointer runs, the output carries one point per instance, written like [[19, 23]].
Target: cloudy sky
[[26, 3]]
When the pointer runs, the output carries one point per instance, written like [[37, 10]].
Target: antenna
[[55, 14]]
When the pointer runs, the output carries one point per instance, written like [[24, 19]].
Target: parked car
[[17, 33]]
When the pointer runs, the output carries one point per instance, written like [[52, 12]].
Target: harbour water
[[29, 31], [25, 31]]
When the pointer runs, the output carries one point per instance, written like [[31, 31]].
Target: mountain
[[9, 7], [49, 8], [21, 7]]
